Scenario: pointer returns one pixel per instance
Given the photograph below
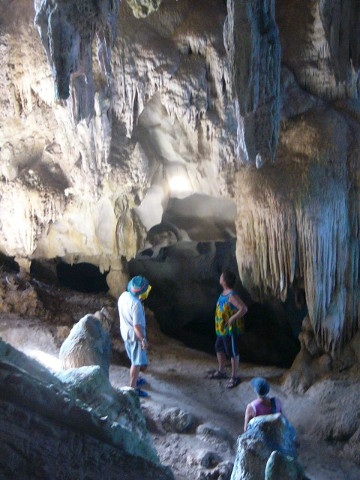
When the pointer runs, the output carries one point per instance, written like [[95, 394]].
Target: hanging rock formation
[[143, 8], [67, 30], [341, 21], [254, 57], [302, 226]]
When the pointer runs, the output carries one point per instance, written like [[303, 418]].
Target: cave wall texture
[[223, 119]]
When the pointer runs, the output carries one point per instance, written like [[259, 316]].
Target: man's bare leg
[[134, 374]]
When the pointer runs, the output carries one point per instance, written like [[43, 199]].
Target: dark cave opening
[[269, 338], [8, 263], [185, 281], [83, 277]]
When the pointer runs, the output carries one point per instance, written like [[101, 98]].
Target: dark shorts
[[228, 344]]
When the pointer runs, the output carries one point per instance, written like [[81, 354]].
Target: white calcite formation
[[150, 134], [297, 223], [90, 190]]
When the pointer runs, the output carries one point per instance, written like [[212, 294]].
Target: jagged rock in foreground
[[47, 433], [265, 434]]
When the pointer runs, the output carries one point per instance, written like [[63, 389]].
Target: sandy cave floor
[[177, 379]]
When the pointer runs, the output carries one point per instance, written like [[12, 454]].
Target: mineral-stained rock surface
[[265, 434], [48, 432]]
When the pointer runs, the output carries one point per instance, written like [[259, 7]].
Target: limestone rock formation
[[87, 344], [120, 406], [281, 467], [266, 434], [143, 8], [311, 235], [150, 137], [254, 56], [100, 446], [341, 21], [67, 30]]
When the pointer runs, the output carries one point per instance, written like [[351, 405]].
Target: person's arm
[[140, 334], [240, 305], [138, 322], [249, 414]]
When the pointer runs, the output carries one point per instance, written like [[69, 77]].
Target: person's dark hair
[[229, 277]]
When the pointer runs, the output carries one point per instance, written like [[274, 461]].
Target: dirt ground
[[176, 376]]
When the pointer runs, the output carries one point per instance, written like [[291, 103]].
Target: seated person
[[263, 405]]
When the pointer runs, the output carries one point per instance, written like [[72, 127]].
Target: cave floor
[[176, 375]]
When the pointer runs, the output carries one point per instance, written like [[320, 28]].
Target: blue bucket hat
[[260, 385], [137, 285]]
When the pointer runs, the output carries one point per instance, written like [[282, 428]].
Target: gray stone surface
[[264, 435], [177, 420], [254, 55], [282, 467], [214, 434], [48, 432], [88, 343]]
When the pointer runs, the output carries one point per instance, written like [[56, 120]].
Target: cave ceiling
[[128, 123]]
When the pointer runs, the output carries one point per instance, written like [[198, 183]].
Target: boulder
[[265, 434], [213, 434], [176, 420], [87, 344], [68, 438]]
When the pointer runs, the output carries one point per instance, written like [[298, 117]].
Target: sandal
[[233, 382], [141, 381], [217, 375]]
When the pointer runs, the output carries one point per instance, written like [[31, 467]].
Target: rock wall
[[48, 432], [161, 104], [87, 177]]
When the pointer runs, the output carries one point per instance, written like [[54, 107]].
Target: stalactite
[[252, 40], [67, 30], [189, 85], [341, 20], [302, 223]]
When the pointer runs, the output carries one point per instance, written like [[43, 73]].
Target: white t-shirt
[[131, 312]]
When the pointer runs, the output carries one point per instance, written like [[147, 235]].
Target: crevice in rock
[[8, 263], [83, 277]]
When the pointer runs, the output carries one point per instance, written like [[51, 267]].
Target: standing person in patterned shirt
[[229, 325]]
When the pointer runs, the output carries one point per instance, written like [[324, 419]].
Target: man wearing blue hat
[[133, 327]]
